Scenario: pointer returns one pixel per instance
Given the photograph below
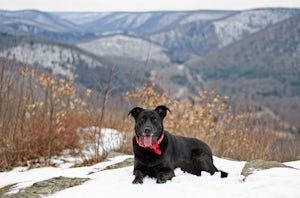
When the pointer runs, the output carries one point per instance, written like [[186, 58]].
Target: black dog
[[157, 152]]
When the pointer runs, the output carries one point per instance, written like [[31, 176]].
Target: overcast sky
[[142, 5]]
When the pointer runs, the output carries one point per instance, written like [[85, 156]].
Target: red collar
[[155, 146]]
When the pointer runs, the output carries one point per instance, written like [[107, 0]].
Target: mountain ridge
[[266, 65], [230, 40]]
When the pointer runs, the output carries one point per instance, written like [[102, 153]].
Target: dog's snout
[[147, 130]]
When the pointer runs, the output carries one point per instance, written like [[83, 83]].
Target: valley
[[252, 56]]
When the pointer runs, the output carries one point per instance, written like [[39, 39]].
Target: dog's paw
[[161, 180], [162, 177], [137, 181]]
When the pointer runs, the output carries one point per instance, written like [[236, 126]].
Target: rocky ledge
[[46, 187], [257, 165]]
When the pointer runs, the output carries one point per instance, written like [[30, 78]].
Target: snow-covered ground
[[275, 182]]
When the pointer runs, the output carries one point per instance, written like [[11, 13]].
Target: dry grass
[[39, 115]]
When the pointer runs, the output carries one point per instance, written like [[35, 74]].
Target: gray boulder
[[256, 165], [46, 187]]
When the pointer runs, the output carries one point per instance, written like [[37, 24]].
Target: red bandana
[[154, 147]]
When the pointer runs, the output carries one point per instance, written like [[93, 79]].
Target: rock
[[255, 165], [6, 188], [47, 187], [125, 163]]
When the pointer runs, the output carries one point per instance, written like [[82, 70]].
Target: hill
[[34, 22], [204, 36], [262, 68], [126, 47], [66, 60], [140, 23]]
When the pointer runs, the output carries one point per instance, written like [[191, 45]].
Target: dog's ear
[[162, 111], [135, 112]]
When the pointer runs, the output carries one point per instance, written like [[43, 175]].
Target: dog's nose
[[147, 130]]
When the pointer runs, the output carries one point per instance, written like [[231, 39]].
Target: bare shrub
[[97, 113], [40, 114], [212, 120], [35, 114]]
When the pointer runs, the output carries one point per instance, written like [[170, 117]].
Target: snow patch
[[108, 140], [274, 182]]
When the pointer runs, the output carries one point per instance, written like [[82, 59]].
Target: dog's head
[[149, 123]]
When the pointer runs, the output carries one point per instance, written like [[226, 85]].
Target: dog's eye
[[153, 119], [144, 118]]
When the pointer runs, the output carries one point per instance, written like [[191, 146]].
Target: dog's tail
[[223, 174]]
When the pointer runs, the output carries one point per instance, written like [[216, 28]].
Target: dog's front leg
[[163, 176], [139, 176]]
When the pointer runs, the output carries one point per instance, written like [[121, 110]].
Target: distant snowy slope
[[163, 27], [34, 21], [238, 26], [121, 45], [140, 22], [203, 37], [196, 37], [80, 18], [60, 59]]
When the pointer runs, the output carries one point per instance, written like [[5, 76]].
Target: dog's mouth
[[147, 140]]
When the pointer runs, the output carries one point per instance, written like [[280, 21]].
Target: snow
[[126, 46], [63, 61], [109, 140], [80, 18], [42, 20], [205, 16], [275, 182], [245, 23]]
